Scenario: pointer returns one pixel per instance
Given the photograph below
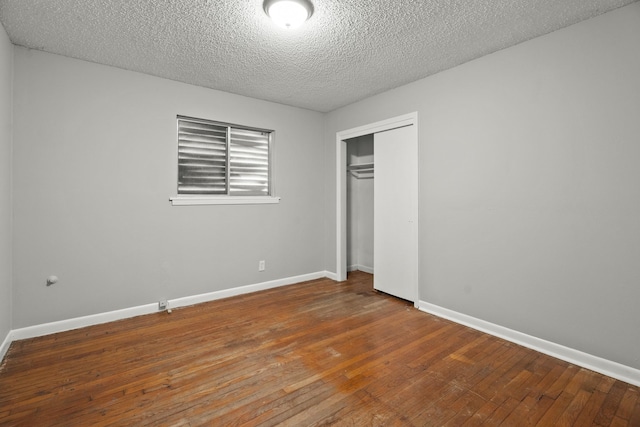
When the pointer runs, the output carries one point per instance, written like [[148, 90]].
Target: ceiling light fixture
[[288, 13]]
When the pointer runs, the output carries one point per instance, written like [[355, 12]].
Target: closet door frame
[[341, 181]]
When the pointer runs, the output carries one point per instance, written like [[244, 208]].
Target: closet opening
[[377, 184], [360, 207]]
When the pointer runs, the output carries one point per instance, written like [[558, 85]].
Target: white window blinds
[[222, 159]]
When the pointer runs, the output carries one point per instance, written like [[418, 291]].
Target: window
[[223, 163]]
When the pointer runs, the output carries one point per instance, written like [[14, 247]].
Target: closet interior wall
[[360, 204]]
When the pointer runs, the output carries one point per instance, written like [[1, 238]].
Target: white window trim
[[223, 200]]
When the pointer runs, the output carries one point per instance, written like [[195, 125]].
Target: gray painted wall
[[529, 197], [94, 167], [6, 69]]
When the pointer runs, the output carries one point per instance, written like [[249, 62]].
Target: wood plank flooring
[[315, 353]]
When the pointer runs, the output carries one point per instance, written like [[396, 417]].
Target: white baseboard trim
[[606, 367], [365, 269], [96, 319], [5, 345], [81, 322], [226, 293], [331, 275]]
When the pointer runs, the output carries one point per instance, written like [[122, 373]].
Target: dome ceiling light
[[288, 13]]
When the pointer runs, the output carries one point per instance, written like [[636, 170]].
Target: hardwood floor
[[315, 353]]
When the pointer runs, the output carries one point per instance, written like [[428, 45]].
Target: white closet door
[[396, 212]]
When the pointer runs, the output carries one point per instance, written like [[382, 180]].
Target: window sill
[[223, 200]]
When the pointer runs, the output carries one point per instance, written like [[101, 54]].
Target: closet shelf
[[361, 170], [360, 166]]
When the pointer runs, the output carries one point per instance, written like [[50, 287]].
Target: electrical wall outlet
[[162, 304], [262, 265]]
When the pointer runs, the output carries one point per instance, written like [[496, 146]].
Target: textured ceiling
[[347, 51]]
